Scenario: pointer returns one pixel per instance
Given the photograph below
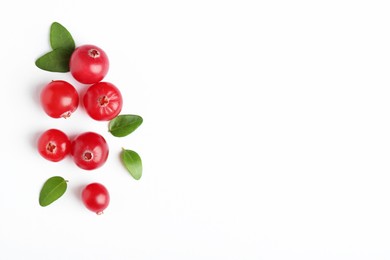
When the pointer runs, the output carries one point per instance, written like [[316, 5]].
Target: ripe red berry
[[59, 99], [95, 197], [103, 101], [53, 145], [89, 150], [88, 64]]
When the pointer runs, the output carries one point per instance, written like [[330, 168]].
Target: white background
[[266, 131]]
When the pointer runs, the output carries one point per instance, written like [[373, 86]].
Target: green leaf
[[55, 61], [60, 37], [132, 162], [123, 125], [52, 190]]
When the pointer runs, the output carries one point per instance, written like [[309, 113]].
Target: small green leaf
[[132, 162], [123, 125], [52, 190], [60, 37], [55, 61]]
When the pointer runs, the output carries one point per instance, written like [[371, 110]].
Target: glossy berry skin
[[103, 101], [54, 145], [89, 150], [88, 64], [95, 197], [59, 99]]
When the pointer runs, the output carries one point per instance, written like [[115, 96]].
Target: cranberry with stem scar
[[103, 101], [88, 64], [89, 150], [54, 145], [59, 99]]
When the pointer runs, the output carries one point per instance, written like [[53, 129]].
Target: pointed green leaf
[[123, 125], [52, 190], [55, 61], [60, 37], [132, 162]]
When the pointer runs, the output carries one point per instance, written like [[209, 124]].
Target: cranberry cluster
[[102, 101]]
